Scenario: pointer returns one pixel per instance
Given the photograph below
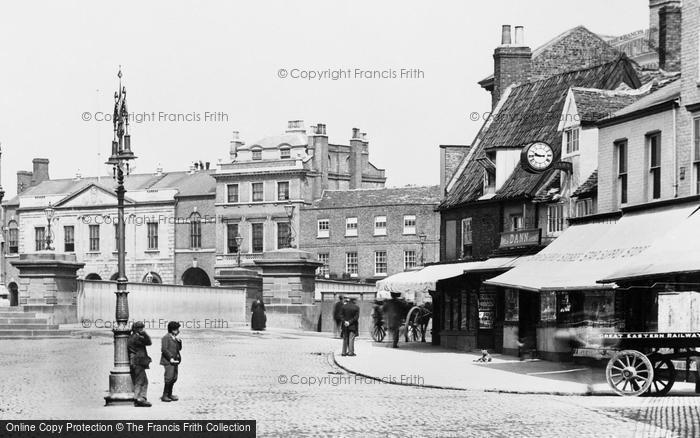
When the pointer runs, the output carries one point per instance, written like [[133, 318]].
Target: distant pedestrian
[[170, 359], [337, 316], [350, 314], [258, 319], [394, 310], [139, 362]]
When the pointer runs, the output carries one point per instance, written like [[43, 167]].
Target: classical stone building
[[288, 170], [169, 224], [368, 234]]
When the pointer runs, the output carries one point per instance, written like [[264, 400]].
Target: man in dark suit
[[394, 310], [338, 317], [139, 362], [350, 314], [170, 359]]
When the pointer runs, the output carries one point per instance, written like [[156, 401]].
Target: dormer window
[[257, 154], [489, 182], [285, 153], [571, 140]]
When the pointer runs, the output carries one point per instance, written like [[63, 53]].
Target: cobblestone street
[[287, 381]]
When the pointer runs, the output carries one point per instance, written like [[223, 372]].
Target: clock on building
[[537, 157]]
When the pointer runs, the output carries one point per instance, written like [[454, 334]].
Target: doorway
[[529, 317], [14, 294]]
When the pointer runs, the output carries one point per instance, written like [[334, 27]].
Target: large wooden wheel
[[664, 376], [378, 333], [629, 373]]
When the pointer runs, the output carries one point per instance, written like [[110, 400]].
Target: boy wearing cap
[[170, 359], [138, 362]]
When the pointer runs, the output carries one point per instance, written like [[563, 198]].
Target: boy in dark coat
[[139, 362], [170, 359], [350, 314]]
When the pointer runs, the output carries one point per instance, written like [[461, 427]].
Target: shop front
[[558, 293]]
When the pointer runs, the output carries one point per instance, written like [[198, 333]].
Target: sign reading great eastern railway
[[512, 239], [652, 335]]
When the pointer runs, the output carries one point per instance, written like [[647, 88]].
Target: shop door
[[487, 316], [529, 317]]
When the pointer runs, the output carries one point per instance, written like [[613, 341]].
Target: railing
[[232, 259]]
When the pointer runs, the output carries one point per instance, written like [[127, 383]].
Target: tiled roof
[[530, 112], [590, 187], [594, 104], [376, 197], [187, 184], [664, 92]]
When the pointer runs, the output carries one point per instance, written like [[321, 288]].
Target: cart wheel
[[664, 376], [378, 333], [629, 373], [414, 333]]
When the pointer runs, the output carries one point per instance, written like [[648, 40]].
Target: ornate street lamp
[[121, 389], [422, 238], [49, 212], [239, 240], [289, 209]]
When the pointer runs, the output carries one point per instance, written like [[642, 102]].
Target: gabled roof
[[547, 60], [530, 112], [594, 104], [588, 188], [377, 197]]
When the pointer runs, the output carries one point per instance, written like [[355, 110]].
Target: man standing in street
[[170, 359], [337, 317], [350, 314], [394, 311], [139, 362]]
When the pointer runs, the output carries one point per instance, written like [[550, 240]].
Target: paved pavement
[[458, 370], [289, 383]]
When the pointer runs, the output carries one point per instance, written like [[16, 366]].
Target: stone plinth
[[289, 276], [48, 285]]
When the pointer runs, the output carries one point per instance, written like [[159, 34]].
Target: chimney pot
[[505, 35], [235, 135], [207, 164], [295, 126], [355, 133], [519, 36]]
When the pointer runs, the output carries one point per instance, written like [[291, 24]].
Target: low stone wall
[[194, 306]]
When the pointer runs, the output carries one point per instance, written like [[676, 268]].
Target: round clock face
[[539, 156]]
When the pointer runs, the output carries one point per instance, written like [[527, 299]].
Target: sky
[[195, 72]]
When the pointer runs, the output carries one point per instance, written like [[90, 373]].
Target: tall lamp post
[[121, 389], [50, 213], [422, 238], [289, 209], [239, 240]]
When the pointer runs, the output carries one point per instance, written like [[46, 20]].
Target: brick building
[[293, 168], [157, 207], [369, 234]]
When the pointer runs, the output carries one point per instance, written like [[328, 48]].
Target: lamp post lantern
[[289, 210], [422, 238], [239, 240], [121, 389], [49, 212]]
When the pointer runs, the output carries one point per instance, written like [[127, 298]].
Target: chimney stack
[[235, 144], [24, 180], [318, 147], [512, 63], [41, 170], [295, 126], [670, 38], [654, 25], [358, 147]]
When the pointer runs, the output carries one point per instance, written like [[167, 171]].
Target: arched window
[[195, 230], [13, 237], [152, 277], [93, 276]]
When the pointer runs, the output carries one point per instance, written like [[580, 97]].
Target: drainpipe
[[675, 152]]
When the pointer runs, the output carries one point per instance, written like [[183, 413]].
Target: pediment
[[90, 196]]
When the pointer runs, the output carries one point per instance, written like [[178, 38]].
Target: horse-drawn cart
[[643, 362]]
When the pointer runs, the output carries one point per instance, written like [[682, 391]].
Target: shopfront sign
[[512, 239], [651, 335]]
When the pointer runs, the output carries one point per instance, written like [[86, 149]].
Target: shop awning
[[678, 252], [417, 284], [586, 253]]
